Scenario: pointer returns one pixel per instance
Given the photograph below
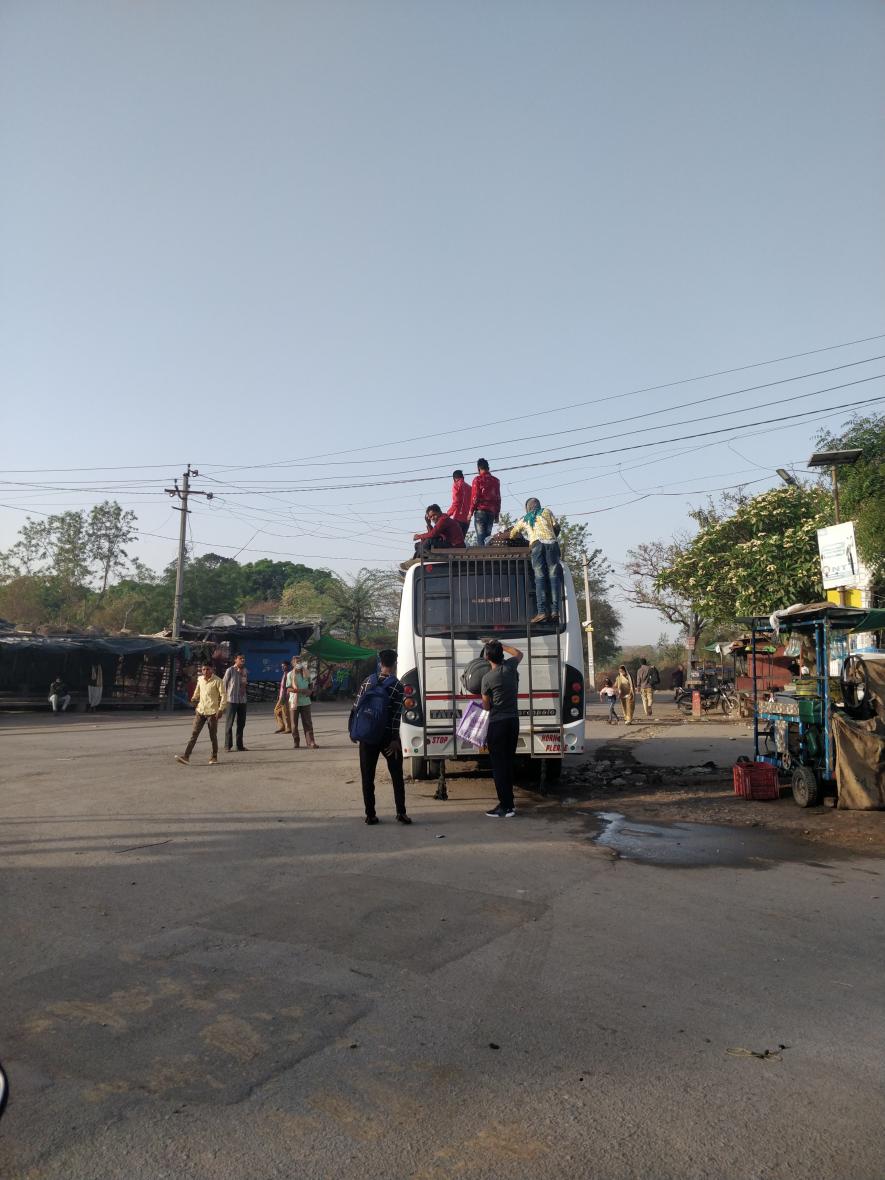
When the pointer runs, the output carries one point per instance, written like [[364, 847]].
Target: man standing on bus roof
[[500, 688], [485, 501], [443, 532], [459, 509], [541, 528]]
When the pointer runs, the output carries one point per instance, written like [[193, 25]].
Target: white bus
[[452, 601]]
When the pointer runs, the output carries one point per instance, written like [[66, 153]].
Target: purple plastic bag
[[474, 725]]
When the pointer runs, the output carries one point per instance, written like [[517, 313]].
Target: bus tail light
[[413, 713], [573, 694]]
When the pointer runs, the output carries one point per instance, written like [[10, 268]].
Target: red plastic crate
[[755, 780]]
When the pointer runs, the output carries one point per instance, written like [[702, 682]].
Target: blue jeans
[[482, 523], [548, 577]]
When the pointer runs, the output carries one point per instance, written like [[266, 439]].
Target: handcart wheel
[[855, 681], [806, 788]]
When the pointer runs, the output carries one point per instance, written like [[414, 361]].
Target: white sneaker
[[510, 813]]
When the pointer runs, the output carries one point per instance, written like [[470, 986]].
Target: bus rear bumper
[[442, 745]]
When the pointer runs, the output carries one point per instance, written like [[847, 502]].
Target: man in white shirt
[[236, 683]]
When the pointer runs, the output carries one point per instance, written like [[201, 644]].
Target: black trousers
[[238, 712], [501, 742], [368, 765]]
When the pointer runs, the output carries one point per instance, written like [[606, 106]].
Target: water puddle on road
[[686, 845]]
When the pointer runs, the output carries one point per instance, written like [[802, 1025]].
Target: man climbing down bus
[[442, 533], [485, 501], [541, 528]]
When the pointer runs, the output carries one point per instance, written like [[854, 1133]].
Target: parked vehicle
[[714, 698], [794, 730], [451, 603]]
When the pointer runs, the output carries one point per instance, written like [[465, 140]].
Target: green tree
[[359, 603], [760, 557], [862, 487], [646, 566], [108, 530], [302, 600]]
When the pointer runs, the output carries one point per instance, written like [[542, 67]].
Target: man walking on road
[[500, 687], [647, 680], [281, 708], [236, 682], [210, 701], [374, 723]]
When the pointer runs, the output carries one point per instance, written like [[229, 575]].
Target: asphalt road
[[217, 972]]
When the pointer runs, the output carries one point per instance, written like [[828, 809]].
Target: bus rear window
[[494, 595]]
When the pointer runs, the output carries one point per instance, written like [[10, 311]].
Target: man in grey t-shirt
[[500, 697]]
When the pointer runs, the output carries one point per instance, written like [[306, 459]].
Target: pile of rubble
[[622, 773]]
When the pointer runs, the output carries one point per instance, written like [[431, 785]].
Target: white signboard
[[838, 556]]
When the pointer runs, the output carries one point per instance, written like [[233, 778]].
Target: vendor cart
[[792, 729]]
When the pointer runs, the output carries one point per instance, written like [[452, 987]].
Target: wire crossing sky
[[631, 253]]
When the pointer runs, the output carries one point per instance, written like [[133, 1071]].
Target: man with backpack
[[374, 725], [647, 680]]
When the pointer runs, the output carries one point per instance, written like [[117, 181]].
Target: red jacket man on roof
[[444, 533], [485, 501], [459, 509]]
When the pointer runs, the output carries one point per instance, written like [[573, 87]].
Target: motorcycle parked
[[714, 698]]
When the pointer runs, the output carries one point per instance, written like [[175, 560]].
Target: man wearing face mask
[[541, 529]]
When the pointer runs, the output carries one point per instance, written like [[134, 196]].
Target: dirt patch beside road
[[615, 780]]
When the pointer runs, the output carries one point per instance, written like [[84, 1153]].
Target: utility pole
[[590, 678], [182, 493]]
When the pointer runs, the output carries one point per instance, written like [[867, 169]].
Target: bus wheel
[[419, 770]]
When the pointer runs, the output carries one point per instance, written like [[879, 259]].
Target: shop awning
[[336, 651]]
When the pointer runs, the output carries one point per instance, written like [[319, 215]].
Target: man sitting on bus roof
[[443, 533], [541, 528]]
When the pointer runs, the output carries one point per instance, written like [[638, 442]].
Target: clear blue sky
[[250, 233]]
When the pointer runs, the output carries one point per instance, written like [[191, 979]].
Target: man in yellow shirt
[[541, 528], [210, 699]]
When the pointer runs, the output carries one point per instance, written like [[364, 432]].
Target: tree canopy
[[754, 559], [862, 487]]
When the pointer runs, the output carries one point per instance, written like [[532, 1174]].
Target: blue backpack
[[370, 715]]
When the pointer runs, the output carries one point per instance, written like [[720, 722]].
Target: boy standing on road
[[210, 701], [387, 741], [485, 501], [236, 682], [500, 686]]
